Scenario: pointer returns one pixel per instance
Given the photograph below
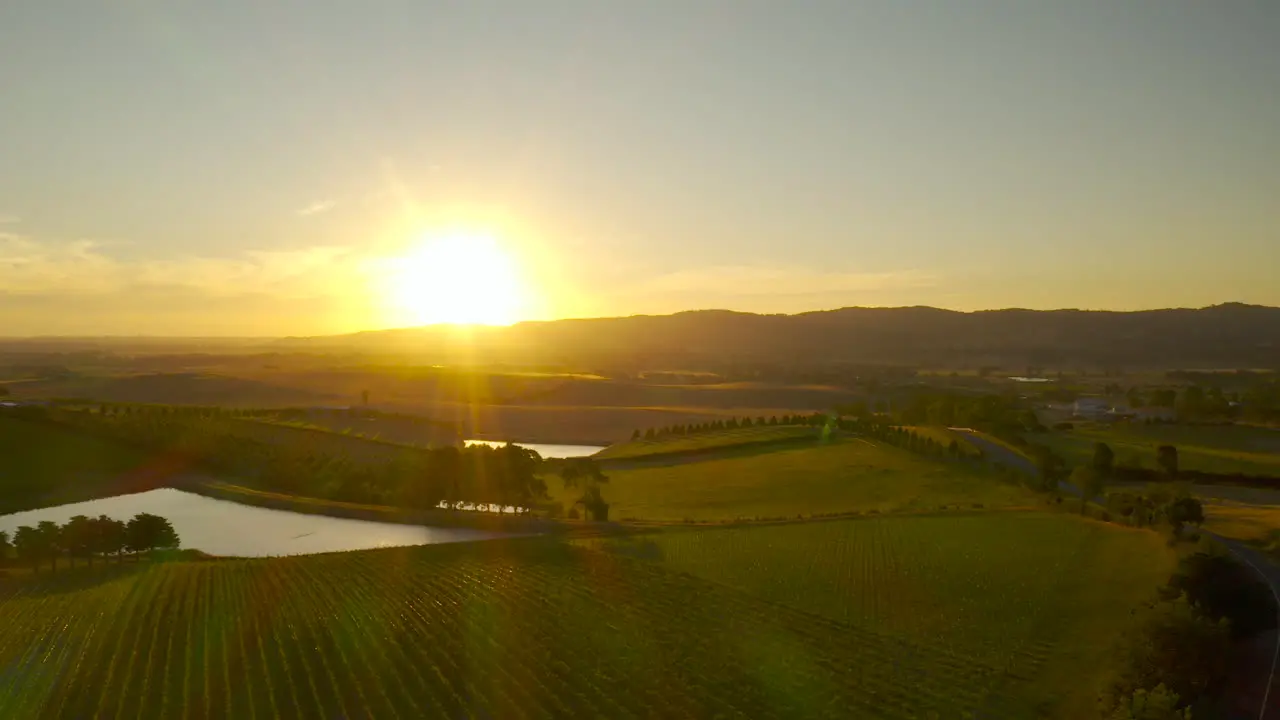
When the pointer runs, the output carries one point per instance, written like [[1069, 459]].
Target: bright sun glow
[[463, 279]]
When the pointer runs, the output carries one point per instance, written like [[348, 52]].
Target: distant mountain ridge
[[1231, 335]]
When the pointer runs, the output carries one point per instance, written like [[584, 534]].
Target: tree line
[[733, 423], [86, 538]]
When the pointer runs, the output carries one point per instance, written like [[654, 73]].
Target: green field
[[509, 629], [707, 441], [1211, 448], [48, 465], [1039, 596], [847, 475]]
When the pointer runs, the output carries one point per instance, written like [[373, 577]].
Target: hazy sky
[[247, 167]]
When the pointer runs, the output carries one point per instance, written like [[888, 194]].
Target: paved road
[[1261, 564]]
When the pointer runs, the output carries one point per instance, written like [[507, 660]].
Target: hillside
[[1038, 595], [520, 628], [809, 478], [1228, 335]]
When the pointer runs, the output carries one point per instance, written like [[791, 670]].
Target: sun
[[462, 279]]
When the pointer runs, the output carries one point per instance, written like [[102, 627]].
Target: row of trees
[[86, 538], [666, 431], [1001, 415], [1177, 661], [1258, 402]]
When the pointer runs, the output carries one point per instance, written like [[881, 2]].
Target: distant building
[[1091, 407]]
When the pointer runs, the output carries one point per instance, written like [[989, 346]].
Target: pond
[[221, 527], [547, 450]]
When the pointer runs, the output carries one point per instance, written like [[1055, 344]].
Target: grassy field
[[510, 629], [1039, 596], [49, 465], [1211, 448], [706, 441], [847, 475]]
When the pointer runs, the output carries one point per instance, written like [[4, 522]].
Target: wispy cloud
[[770, 281], [7, 219], [84, 267], [317, 207]]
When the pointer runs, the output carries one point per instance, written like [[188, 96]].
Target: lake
[[547, 451], [221, 527]]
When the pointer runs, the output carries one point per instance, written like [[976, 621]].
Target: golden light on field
[[458, 278]]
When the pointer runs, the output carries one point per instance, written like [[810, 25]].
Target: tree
[[1049, 465], [1135, 397], [1167, 459], [635, 435], [1157, 704], [1177, 647], [593, 502], [1089, 482], [49, 539], [1184, 510], [77, 538], [579, 470], [26, 543], [1103, 459], [648, 434], [147, 532], [6, 548], [110, 536]]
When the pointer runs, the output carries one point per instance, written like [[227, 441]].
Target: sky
[[260, 168]]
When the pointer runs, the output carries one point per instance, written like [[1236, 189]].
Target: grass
[[523, 629], [1038, 596], [1210, 448], [46, 464], [847, 475], [706, 441]]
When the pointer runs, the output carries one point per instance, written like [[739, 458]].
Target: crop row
[[515, 629]]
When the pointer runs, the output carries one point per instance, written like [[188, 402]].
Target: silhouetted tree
[[109, 536], [49, 537], [635, 435], [26, 542], [1182, 511], [1089, 482], [77, 538], [1103, 459], [1167, 459], [6, 548], [147, 532], [648, 434], [593, 502], [581, 470]]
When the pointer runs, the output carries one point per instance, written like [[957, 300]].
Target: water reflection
[[220, 527], [547, 450]]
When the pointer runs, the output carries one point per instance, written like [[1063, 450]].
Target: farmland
[[1211, 448], [1038, 595], [845, 475], [45, 465], [496, 629], [708, 441]]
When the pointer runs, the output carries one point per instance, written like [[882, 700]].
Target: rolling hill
[[1227, 335]]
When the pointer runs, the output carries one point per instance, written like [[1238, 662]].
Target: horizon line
[[483, 327]]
